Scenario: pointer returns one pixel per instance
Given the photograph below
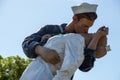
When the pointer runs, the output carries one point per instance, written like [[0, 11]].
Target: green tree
[[11, 68]]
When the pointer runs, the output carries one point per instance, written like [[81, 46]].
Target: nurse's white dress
[[70, 48]]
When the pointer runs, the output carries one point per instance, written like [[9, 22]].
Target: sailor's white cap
[[84, 8]]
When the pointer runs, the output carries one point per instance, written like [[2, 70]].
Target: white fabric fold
[[70, 48]]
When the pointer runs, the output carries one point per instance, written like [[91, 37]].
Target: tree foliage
[[11, 68]]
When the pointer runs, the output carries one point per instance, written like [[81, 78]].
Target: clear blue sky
[[20, 18]]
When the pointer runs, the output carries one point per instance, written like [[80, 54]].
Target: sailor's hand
[[46, 36], [103, 31], [48, 55]]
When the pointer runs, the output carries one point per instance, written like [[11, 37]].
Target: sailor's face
[[83, 25]]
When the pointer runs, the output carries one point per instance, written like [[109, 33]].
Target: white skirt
[[70, 48], [37, 70]]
